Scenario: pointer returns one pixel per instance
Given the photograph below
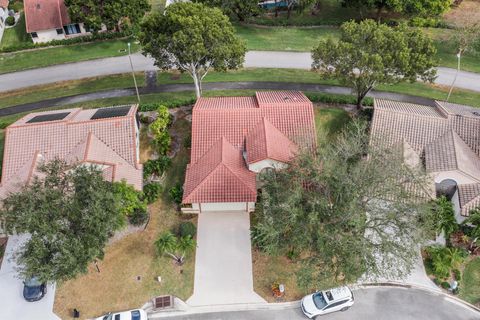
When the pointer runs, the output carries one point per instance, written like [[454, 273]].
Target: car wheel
[[344, 309]]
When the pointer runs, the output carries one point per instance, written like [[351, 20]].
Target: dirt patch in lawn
[[466, 13]]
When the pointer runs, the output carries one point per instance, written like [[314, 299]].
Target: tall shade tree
[[369, 54], [343, 214], [192, 38], [69, 215], [113, 13], [240, 10]]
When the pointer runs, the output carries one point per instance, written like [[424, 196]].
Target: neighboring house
[[3, 16], [107, 138], [444, 138], [48, 20], [234, 138]]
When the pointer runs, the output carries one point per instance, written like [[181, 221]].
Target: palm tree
[[184, 245], [174, 247], [167, 244]]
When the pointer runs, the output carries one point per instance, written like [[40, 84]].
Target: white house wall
[[48, 35], [226, 206], [3, 17], [267, 163], [457, 176], [51, 34]]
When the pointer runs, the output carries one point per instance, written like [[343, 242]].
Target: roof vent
[[476, 113], [38, 5], [286, 98]]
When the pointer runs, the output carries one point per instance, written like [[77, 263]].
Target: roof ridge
[[106, 145], [231, 171]]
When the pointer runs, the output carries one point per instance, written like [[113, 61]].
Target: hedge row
[[337, 98], [90, 38]]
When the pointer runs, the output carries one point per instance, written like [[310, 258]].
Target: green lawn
[[284, 38], [470, 284], [278, 75], [16, 35], [330, 12], [10, 62]]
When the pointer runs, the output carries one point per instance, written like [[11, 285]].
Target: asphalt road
[[370, 304], [260, 59]]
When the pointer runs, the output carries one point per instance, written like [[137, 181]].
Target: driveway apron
[[223, 265]]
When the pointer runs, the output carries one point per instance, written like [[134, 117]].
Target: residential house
[[3, 16], [443, 137], [235, 138], [48, 20], [107, 138]]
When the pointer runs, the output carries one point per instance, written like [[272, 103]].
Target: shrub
[[176, 194], [444, 259], [138, 217], [152, 191], [337, 98], [90, 38], [445, 285], [187, 229], [171, 103], [10, 21], [444, 214], [457, 274], [158, 128], [428, 23], [157, 166], [128, 198]]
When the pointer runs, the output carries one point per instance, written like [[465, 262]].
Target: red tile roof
[[4, 4], [267, 142], [45, 14], [220, 176], [271, 124], [110, 143]]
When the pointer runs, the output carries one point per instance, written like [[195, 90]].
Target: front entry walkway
[[223, 265]]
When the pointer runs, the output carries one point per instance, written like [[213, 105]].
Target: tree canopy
[[409, 7], [369, 54], [344, 215], [69, 215], [113, 13], [192, 38]]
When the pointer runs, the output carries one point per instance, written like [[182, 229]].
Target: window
[[336, 304], [60, 31], [117, 316], [135, 315], [34, 35], [72, 29], [319, 300]]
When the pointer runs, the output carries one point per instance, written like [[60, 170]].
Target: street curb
[[423, 288], [292, 304]]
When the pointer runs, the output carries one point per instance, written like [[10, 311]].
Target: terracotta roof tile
[[4, 4], [45, 14], [446, 135], [220, 176], [267, 142], [232, 119], [74, 139]]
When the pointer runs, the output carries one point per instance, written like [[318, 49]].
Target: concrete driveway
[[223, 265], [12, 303]]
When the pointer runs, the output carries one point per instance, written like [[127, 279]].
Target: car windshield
[[319, 300], [135, 315], [108, 317], [33, 282]]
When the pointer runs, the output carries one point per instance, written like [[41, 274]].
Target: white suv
[[323, 302]]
